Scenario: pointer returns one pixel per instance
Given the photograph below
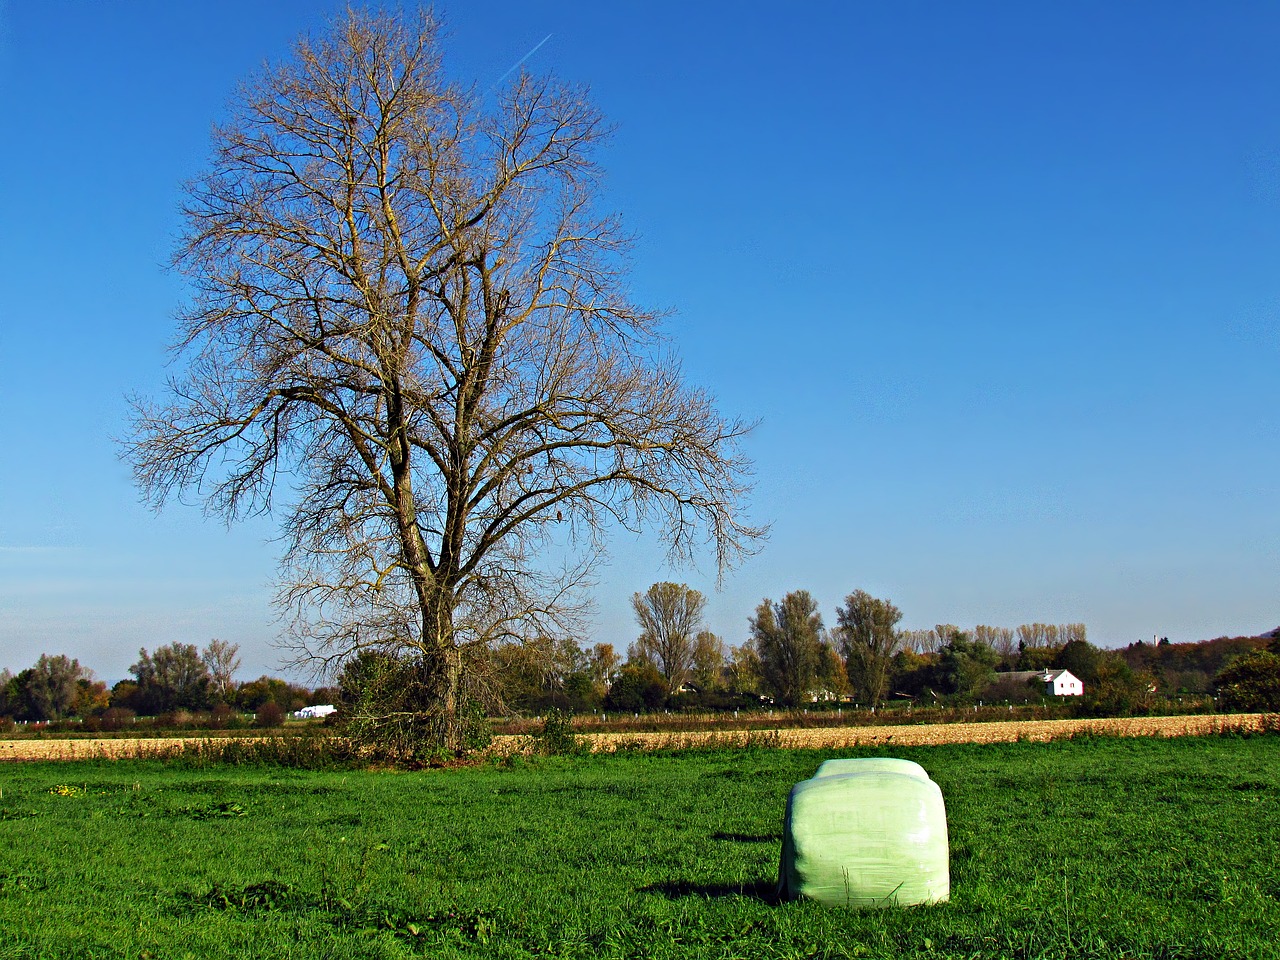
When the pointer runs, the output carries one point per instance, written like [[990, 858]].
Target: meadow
[[1091, 847]]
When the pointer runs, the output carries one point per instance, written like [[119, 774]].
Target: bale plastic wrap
[[843, 765], [875, 838]]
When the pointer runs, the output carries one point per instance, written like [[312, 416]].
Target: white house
[[1058, 683], [314, 713], [1062, 683]]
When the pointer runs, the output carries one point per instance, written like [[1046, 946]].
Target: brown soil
[[830, 737]]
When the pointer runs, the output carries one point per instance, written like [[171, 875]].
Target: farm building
[[312, 713], [1062, 683], [1058, 683]]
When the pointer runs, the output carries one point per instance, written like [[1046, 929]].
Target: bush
[[557, 737], [1250, 683], [386, 708], [637, 687], [269, 715], [222, 716], [117, 718]]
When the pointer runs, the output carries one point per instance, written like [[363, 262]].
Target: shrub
[[1251, 683], [117, 718], [221, 716], [270, 714], [557, 736], [386, 709]]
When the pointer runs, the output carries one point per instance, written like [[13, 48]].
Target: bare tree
[[406, 303], [1035, 635], [921, 641], [866, 627], [223, 660], [669, 615], [1072, 633], [999, 639]]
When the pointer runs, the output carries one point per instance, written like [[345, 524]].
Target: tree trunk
[[443, 668]]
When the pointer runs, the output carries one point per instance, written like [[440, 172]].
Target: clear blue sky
[[1001, 282]]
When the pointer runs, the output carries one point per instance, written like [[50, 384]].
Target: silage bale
[[871, 839], [843, 765]]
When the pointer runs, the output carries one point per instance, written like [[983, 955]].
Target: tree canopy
[[407, 304], [867, 628], [669, 615], [788, 641]]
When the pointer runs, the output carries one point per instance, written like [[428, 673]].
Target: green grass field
[[1086, 848]]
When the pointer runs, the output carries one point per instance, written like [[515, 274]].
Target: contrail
[[522, 59]]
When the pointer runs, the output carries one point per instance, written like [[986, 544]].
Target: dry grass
[[825, 738]]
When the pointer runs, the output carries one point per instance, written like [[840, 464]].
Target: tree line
[[788, 658], [176, 677]]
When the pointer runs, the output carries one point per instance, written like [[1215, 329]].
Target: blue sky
[[998, 280]]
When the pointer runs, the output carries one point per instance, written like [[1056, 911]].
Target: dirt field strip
[[102, 749], [933, 734], [827, 738]]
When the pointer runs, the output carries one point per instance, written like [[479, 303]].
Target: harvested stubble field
[[1010, 731]]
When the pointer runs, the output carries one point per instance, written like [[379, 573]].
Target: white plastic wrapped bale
[[843, 765], [870, 839]]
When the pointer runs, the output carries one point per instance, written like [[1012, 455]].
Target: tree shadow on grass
[[748, 837], [765, 891]]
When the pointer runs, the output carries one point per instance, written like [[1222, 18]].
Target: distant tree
[[1082, 658], [1036, 658], [946, 632], [49, 690], [534, 675], [249, 696], [743, 671], [999, 639], [1117, 689], [1032, 635], [124, 696], [709, 654], [669, 615], [1189, 667], [787, 637], [8, 693], [222, 659], [869, 638], [603, 664], [1250, 683], [172, 678], [914, 674], [1072, 633], [638, 686], [965, 667], [92, 697], [919, 641], [833, 673], [323, 695], [269, 715]]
